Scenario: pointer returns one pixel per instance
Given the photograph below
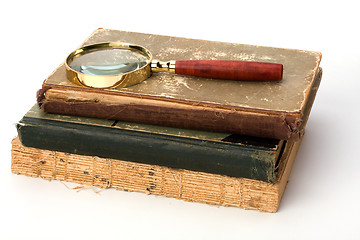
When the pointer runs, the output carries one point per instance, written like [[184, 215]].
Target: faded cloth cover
[[266, 109], [183, 184], [220, 153]]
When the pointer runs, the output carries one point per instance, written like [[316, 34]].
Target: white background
[[322, 199]]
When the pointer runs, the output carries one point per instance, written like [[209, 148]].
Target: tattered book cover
[[220, 153], [264, 109]]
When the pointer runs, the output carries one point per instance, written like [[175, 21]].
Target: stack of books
[[203, 140]]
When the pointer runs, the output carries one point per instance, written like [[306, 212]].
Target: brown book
[[266, 109], [193, 186]]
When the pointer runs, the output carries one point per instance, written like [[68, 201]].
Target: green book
[[220, 153]]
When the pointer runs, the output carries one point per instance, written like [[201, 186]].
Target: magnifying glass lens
[[111, 61]]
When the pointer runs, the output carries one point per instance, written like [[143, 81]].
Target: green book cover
[[220, 153]]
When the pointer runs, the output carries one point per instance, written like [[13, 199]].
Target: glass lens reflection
[[110, 61]]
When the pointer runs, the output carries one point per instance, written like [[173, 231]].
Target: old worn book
[[193, 186], [276, 110], [219, 153]]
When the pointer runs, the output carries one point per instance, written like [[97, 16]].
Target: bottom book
[[192, 186]]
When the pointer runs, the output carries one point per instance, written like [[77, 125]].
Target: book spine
[[262, 125], [182, 184], [212, 157]]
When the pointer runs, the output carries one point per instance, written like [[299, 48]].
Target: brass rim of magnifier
[[108, 81]]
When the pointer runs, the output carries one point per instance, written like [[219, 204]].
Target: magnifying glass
[[116, 65]]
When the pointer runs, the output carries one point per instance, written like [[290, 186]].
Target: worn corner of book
[[40, 95]]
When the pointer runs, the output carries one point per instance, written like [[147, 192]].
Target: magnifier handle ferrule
[[160, 66], [232, 70]]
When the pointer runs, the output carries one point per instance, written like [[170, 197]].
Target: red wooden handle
[[232, 70]]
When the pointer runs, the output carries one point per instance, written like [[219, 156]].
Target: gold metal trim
[[108, 81], [160, 66]]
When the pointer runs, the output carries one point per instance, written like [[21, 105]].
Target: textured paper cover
[[152, 179]]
